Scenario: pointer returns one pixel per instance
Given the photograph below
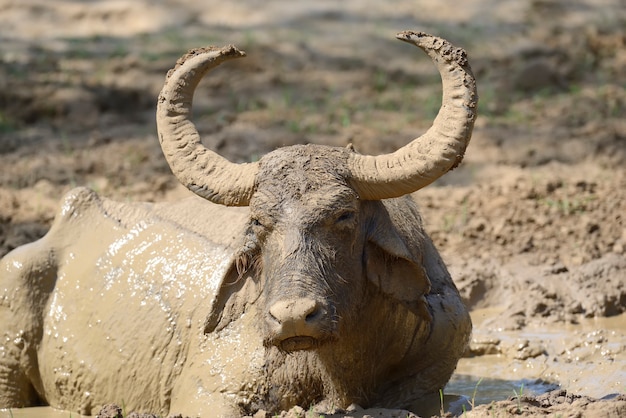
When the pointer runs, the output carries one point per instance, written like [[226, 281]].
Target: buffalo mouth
[[299, 343]]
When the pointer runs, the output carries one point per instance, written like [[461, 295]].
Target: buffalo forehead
[[305, 167], [304, 180]]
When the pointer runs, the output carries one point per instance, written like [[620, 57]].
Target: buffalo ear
[[238, 289], [396, 272]]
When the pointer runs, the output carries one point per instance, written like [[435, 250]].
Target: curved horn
[[441, 148], [199, 169]]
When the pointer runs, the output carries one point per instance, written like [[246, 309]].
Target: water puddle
[[585, 358], [486, 390]]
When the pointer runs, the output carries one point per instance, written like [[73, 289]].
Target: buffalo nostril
[[296, 317], [314, 315], [297, 324], [295, 310]]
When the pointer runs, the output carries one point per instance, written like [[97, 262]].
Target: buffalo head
[[323, 225]]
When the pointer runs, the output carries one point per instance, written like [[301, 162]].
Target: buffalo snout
[[298, 323]]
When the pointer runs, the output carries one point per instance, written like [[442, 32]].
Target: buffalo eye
[[260, 226], [257, 226], [345, 218]]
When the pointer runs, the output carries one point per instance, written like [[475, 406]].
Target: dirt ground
[[532, 225]]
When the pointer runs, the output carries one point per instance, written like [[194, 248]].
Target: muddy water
[[587, 358]]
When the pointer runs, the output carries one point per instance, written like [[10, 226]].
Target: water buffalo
[[306, 279]]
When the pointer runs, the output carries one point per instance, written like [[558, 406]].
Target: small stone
[[110, 411]]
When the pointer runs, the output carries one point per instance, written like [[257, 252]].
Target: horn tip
[[232, 51], [429, 42], [228, 51], [410, 35]]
